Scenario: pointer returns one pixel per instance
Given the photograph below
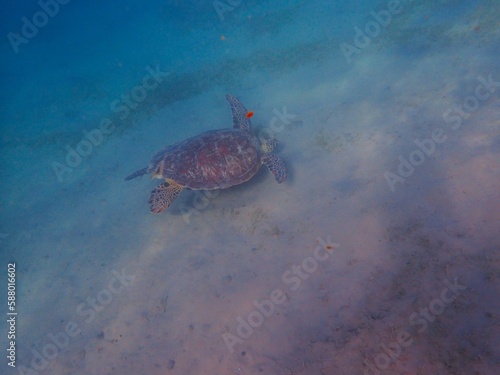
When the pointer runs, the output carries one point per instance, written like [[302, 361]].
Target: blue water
[[386, 115]]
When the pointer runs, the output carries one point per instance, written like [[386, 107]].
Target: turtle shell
[[216, 159]]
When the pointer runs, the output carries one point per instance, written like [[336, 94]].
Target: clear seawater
[[378, 255]]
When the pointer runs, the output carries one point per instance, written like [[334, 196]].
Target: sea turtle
[[216, 159]]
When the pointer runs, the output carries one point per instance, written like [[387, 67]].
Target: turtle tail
[[137, 174]]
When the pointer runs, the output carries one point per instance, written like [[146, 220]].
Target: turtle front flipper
[[276, 166], [163, 195], [240, 119]]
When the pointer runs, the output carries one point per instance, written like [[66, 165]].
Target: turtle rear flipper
[[276, 166], [163, 195]]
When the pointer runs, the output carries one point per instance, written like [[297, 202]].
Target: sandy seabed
[[336, 271]]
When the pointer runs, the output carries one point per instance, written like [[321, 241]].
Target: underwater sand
[[193, 277]]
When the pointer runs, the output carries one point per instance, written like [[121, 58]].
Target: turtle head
[[269, 145]]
